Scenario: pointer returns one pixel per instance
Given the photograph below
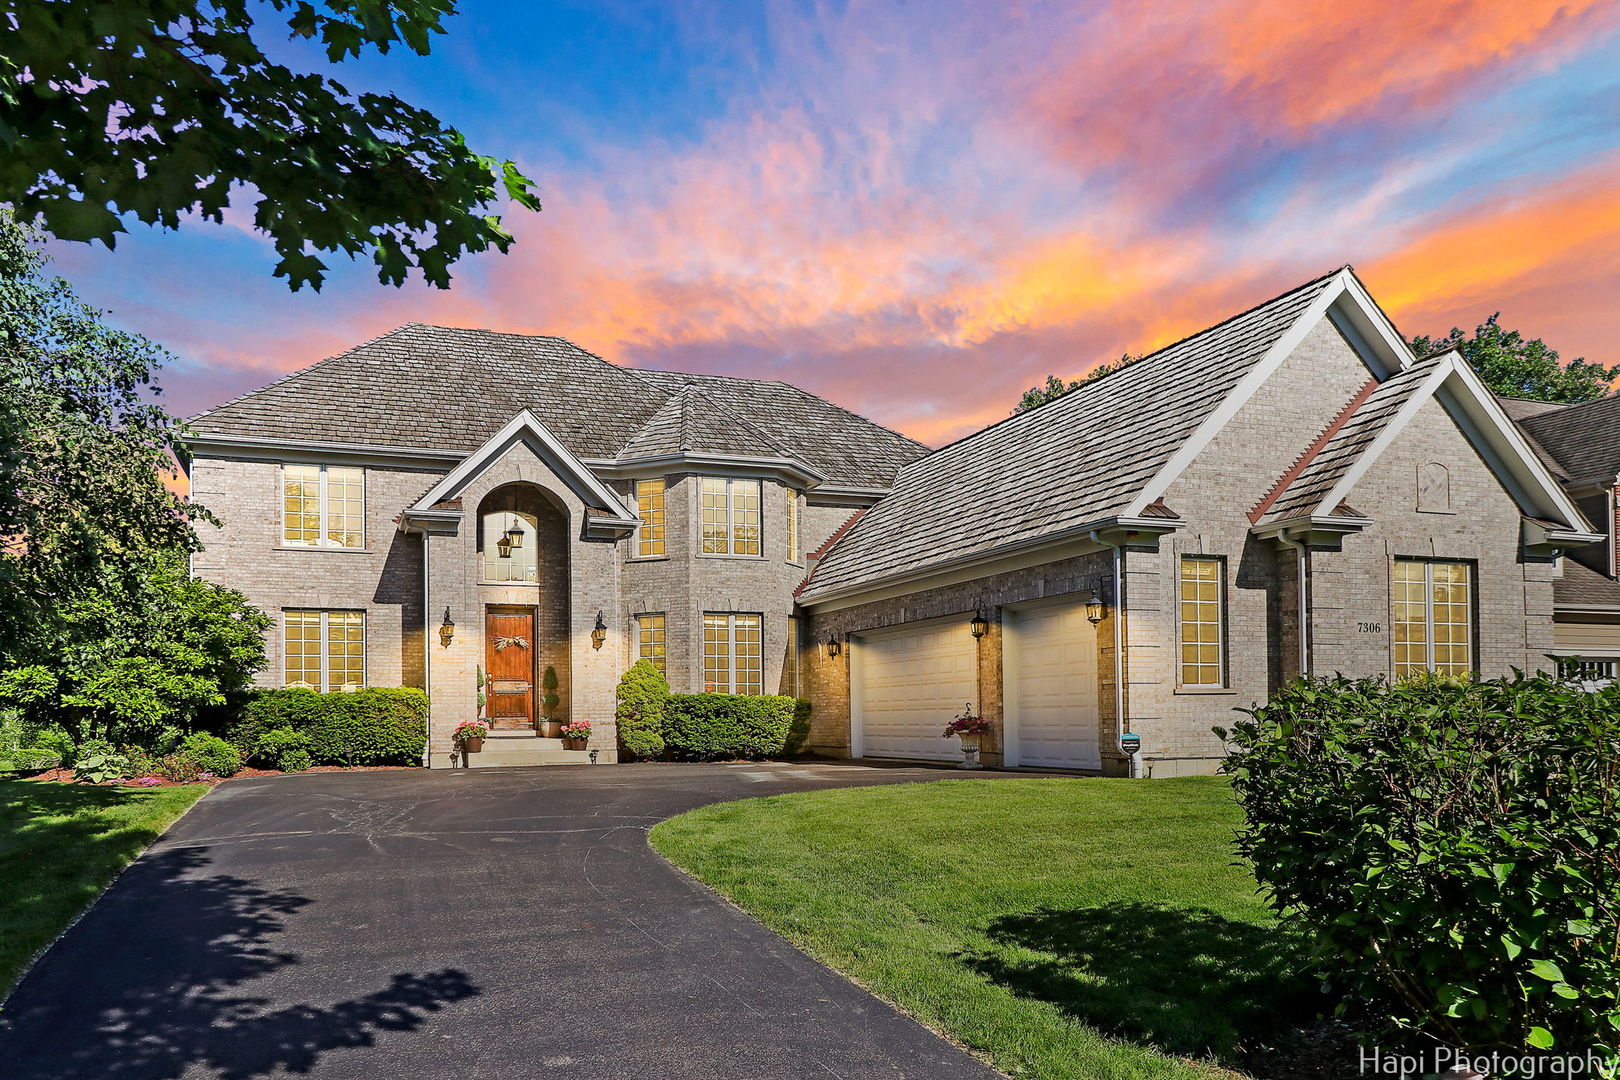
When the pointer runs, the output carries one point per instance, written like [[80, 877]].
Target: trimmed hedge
[[713, 727], [642, 695], [375, 726], [1452, 849]]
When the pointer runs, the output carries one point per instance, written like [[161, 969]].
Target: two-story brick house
[[1289, 490]]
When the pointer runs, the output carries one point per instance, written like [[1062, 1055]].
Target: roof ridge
[[1309, 454], [1136, 365]]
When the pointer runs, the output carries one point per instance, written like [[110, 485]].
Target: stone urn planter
[[548, 728], [969, 729]]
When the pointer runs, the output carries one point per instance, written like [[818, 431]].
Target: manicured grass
[[59, 846], [1063, 927]]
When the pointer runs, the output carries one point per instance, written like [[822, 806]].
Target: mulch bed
[[65, 776]]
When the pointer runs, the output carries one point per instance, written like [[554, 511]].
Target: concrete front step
[[524, 748]]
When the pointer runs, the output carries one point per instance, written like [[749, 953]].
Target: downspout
[[1121, 700], [1304, 589], [427, 659]]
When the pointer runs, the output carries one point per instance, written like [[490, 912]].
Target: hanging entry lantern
[[979, 626]]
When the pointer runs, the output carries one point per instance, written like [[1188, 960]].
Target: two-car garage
[[908, 681]]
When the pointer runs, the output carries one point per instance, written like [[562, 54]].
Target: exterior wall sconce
[[447, 629], [599, 634], [833, 647], [514, 535], [979, 626], [1095, 608]]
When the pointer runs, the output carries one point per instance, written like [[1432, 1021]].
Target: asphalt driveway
[[450, 924]]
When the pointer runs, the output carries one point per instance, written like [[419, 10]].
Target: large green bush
[[1452, 850], [712, 727], [212, 754], [642, 694], [376, 726]]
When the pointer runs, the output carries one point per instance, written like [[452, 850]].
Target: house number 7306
[[1370, 627]]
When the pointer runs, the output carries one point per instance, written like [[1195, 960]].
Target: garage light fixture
[[599, 632], [447, 629], [833, 648], [1095, 608], [980, 626]]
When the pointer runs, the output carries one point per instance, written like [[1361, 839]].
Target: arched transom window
[[511, 546]]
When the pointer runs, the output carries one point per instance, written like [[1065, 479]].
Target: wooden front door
[[509, 647]]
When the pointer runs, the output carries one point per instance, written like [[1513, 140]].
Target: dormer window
[[730, 516], [323, 506]]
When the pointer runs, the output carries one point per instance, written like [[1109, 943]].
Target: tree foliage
[[163, 108], [1054, 387], [1516, 367], [639, 710]]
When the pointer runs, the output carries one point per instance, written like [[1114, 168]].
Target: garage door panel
[[911, 683], [1052, 687]]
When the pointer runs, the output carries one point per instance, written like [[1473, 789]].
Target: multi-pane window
[[324, 650], [790, 663], [733, 661], [323, 506], [511, 546], [650, 508], [1203, 621], [1433, 618], [793, 553], [1583, 670], [650, 639], [730, 516]]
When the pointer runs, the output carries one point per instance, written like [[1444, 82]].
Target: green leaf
[[1540, 1038], [1546, 969]]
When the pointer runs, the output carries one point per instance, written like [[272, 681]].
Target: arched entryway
[[523, 584]]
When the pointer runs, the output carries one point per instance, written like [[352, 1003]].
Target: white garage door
[[908, 684], [1051, 686]]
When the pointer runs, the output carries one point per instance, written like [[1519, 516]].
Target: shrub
[[1451, 849], [376, 726], [551, 699], [283, 745], [179, 767], [31, 760], [212, 754], [100, 766], [642, 694], [370, 727], [711, 727]]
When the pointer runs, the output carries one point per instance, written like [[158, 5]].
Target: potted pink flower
[[970, 730], [576, 735], [470, 735]]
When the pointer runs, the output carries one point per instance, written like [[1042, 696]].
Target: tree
[[1514, 367], [162, 108], [1036, 396], [100, 628]]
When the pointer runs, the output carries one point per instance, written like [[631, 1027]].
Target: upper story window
[[1433, 617], [650, 508], [730, 516], [324, 650], [323, 506], [511, 546], [1203, 621], [794, 554], [733, 657], [650, 639]]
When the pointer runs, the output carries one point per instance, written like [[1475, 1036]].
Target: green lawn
[[59, 846], [1063, 927]]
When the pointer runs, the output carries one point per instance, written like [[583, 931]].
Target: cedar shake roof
[[1581, 586], [1584, 439], [444, 388], [1327, 463], [1080, 458]]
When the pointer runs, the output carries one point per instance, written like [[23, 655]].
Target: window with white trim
[[650, 508], [730, 515], [793, 553], [650, 639], [733, 657], [1203, 621], [511, 541], [323, 506], [1433, 617], [324, 650]]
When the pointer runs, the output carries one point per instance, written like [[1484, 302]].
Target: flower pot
[[548, 729], [575, 744], [970, 751], [472, 746]]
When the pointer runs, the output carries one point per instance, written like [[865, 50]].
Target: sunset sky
[[920, 208]]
